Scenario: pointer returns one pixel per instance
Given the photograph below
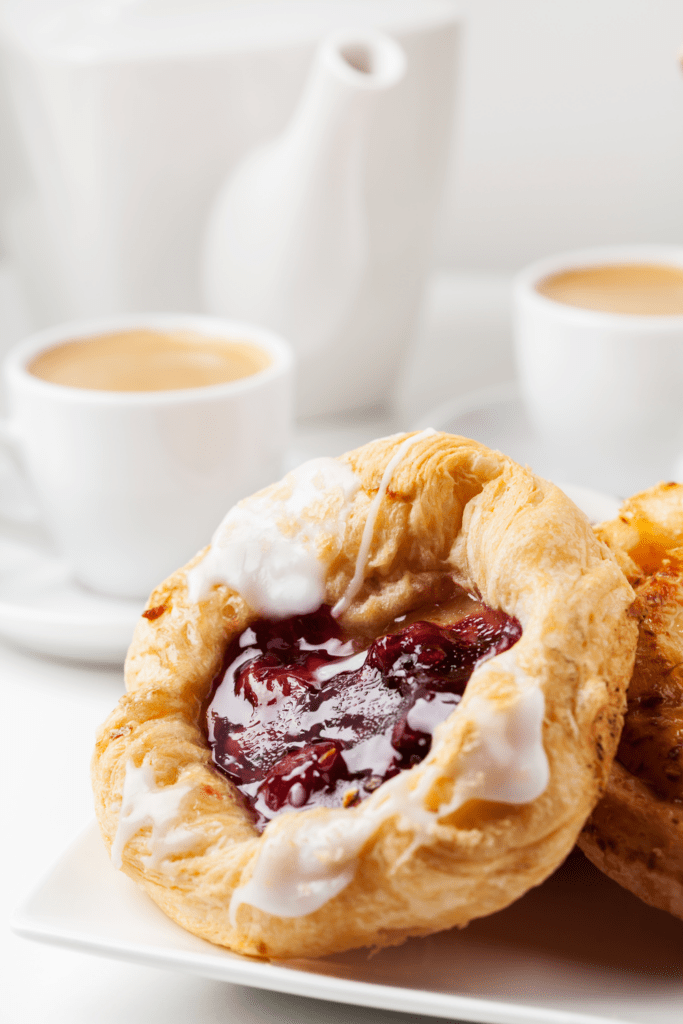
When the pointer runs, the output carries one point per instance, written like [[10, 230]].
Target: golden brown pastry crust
[[635, 834], [452, 507]]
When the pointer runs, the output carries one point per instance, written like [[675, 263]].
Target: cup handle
[[17, 501]]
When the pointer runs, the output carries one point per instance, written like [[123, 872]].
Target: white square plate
[[577, 950]]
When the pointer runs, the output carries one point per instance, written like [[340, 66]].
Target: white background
[[570, 130]]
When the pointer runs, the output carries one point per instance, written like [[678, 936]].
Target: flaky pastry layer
[[635, 834], [428, 857]]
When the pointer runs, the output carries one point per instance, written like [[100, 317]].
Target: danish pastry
[[635, 834], [301, 766]]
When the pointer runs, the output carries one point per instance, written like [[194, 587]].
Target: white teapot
[[289, 243]]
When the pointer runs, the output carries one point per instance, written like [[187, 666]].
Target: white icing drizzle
[[376, 750], [145, 803], [336, 668], [510, 764], [224, 705], [248, 638], [266, 548], [292, 879], [425, 715], [356, 581], [333, 646], [297, 872]]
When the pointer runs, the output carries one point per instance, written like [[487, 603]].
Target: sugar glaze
[[144, 803], [356, 581], [267, 547]]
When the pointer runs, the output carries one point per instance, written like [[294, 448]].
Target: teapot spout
[[350, 72], [287, 240]]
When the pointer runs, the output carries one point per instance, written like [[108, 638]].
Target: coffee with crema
[[147, 360], [638, 289]]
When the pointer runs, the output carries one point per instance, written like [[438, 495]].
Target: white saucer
[[44, 610], [496, 417]]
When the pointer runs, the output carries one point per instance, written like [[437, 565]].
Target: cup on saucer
[[599, 346], [138, 432]]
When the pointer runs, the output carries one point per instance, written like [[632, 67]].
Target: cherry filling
[[299, 716]]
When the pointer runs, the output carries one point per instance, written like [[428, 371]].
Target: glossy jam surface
[[301, 716]]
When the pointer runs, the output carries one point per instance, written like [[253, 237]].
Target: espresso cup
[[599, 347], [133, 472]]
